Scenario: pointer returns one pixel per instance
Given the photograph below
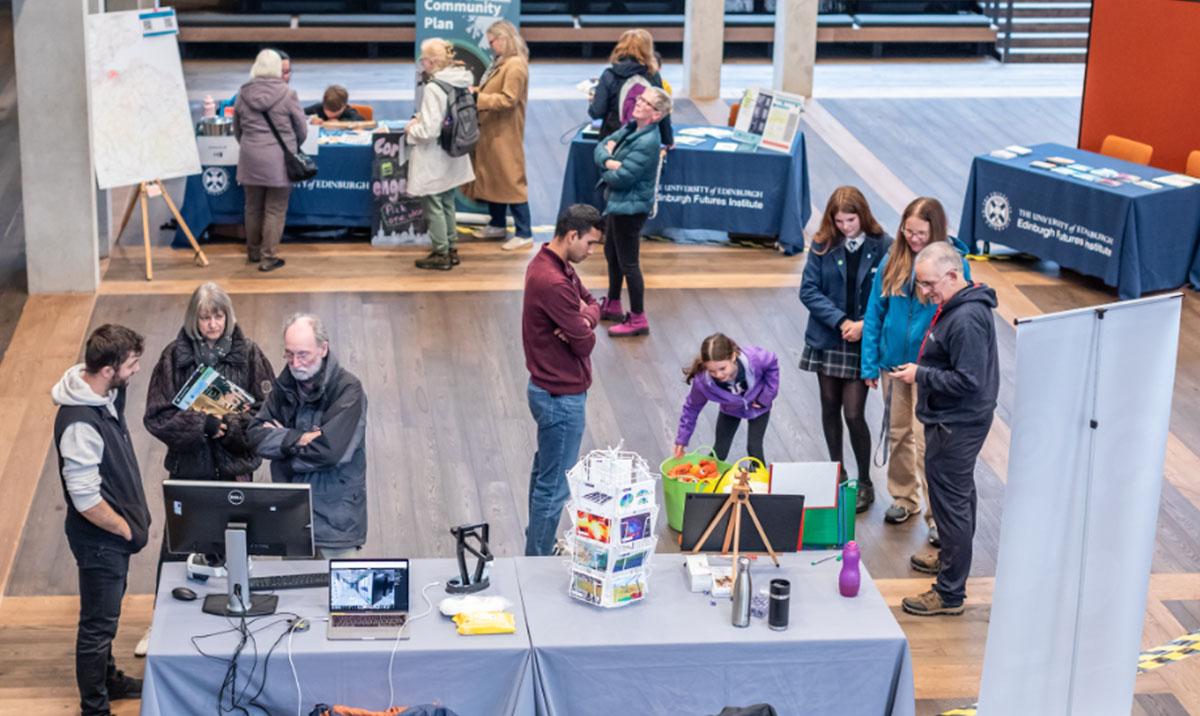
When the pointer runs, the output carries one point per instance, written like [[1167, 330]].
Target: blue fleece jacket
[[894, 326]]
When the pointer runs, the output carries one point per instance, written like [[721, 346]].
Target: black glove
[[235, 440], [212, 425]]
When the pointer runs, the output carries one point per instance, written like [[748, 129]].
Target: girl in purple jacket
[[742, 381]]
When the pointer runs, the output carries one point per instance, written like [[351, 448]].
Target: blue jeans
[[560, 422], [522, 224]]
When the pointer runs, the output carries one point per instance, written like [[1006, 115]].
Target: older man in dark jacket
[[313, 429], [958, 379]]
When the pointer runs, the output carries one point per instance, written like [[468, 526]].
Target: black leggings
[[844, 396], [727, 426], [621, 245]]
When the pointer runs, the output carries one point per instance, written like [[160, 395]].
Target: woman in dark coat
[[634, 69]]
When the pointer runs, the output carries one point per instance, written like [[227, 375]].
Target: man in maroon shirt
[[558, 325]]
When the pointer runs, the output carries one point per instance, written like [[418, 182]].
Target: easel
[[739, 499], [139, 196]]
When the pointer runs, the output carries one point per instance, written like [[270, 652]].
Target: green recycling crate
[[675, 491], [822, 526]]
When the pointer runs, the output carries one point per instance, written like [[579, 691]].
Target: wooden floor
[[450, 438]]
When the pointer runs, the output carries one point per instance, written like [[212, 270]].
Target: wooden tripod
[[739, 499], [144, 190]]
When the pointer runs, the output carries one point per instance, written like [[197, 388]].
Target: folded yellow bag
[[485, 623]]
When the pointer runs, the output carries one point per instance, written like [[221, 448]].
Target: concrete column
[[703, 48], [795, 46], [57, 179]]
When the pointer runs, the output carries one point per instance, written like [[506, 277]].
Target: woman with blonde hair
[[835, 288], [500, 155], [634, 69], [895, 323], [432, 173]]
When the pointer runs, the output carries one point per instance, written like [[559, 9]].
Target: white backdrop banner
[[1089, 436]]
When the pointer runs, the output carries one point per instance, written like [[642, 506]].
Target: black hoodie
[[606, 99], [958, 373]]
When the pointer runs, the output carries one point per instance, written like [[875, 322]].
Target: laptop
[[368, 598]]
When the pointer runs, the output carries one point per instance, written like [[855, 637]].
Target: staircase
[[1047, 31]]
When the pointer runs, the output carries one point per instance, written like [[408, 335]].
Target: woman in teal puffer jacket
[[629, 160], [893, 328]]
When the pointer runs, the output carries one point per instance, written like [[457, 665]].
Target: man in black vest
[[107, 517]]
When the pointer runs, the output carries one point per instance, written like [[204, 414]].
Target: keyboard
[[290, 581], [367, 620]]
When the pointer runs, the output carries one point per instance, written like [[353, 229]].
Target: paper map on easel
[[141, 125]]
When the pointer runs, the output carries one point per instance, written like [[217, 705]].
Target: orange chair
[[1126, 149], [1193, 164], [365, 110], [733, 113]]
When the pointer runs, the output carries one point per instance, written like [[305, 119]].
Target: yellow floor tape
[[1148, 660]]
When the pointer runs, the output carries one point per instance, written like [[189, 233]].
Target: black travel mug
[[781, 596]]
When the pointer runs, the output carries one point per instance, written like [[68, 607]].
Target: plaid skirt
[[842, 362]]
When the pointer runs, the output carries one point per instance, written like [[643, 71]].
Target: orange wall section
[[1143, 77]]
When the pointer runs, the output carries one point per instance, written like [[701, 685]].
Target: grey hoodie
[[260, 158], [81, 447]]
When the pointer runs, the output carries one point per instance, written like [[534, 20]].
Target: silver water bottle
[[741, 594]]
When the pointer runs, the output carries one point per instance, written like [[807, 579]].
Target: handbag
[[299, 166]]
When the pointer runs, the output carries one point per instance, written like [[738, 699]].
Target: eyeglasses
[[910, 234], [302, 356], [928, 285]]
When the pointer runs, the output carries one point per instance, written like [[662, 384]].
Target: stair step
[[1051, 9], [1062, 24], [1042, 42], [1046, 54]]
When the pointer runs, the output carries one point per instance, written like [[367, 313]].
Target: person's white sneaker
[[143, 645], [491, 232], [516, 243]]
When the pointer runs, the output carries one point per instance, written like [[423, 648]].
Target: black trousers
[[102, 577], [727, 426], [950, 454], [622, 243]]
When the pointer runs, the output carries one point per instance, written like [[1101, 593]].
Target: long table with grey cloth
[[473, 676], [677, 653]]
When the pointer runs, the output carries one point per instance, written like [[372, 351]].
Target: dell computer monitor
[[277, 517]]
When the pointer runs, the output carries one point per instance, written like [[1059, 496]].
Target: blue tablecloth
[[761, 192], [340, 194], [1133, 238]]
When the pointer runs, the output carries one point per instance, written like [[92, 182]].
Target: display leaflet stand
[[145, 190], [739, 498]]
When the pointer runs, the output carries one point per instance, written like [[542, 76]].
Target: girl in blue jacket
[[835, 289], [895, 323]]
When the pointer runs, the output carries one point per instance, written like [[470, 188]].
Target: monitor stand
[[237, 566]]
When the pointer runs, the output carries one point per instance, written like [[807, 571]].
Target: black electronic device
[[236, 520], [780, 515], [314, 580], [183, 594], [465, 582]]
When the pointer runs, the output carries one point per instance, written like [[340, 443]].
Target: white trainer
[[491, 232], [516, 243], [143, 645]]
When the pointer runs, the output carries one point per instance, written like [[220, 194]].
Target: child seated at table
[[334, 106]]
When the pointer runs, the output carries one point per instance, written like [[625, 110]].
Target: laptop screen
[[368, 585]]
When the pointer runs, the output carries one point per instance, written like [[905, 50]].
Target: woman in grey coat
[[261, 170]]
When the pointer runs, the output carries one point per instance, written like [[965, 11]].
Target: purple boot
[[635, 325], [611, 310]]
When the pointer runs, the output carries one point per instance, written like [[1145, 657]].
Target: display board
[[769, 118], [141, 125], [396, 217], [465, 23]]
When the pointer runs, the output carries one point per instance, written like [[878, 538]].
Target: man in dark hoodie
[[313, 428], [958, 378], [107, 517]]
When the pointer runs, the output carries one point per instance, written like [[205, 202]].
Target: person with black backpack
[[634, 69], [441, 136]]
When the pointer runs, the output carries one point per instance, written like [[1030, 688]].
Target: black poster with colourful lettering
[[396, 217]]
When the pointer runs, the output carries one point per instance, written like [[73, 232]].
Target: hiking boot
[[436, 261], [934, 538], [930, 604], [929, 562], [491, 232], [454, 260], [635, 325], [896, 514], [253, 258], [271, 264], [517, 243], [610, 310], [124, 687], [865, 497]]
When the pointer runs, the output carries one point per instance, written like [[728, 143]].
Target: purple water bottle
[[849, 579]]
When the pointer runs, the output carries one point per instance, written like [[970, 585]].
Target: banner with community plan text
[[465, 23]]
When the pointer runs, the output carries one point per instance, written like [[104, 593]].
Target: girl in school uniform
[[835, 289], [743, 382]]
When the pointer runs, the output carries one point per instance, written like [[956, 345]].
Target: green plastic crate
[[822, 526]]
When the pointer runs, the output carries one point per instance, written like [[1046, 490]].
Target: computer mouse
[[183, 594]]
